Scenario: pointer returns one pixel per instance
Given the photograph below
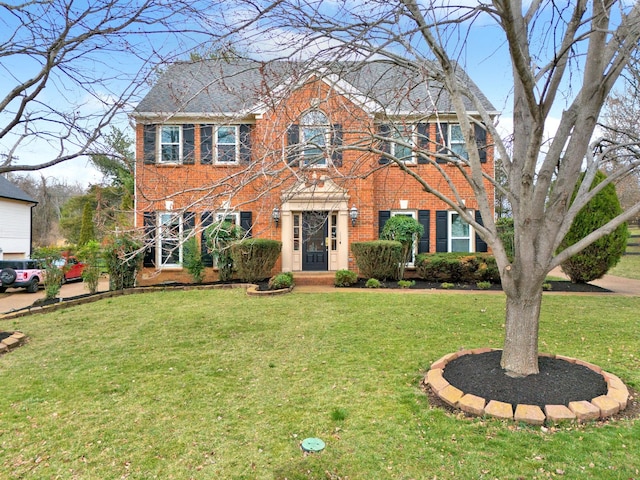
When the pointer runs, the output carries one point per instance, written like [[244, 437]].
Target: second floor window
[[403, 142], [227, 144], [170, 143], [315, 133]]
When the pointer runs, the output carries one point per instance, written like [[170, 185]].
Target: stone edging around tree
[[581, 411], [251, 289]]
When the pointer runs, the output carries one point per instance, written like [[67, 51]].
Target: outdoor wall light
[[275, 214], [353, 215]]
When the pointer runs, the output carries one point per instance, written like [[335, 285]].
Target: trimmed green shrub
[[457, 267], [192, 260], [280, 281], [373, 283], [406, 283], [345, 278], [378, 259], [447, 285], [483, 285], [405, 230], [123, 256], [254, 258], [596, 259]]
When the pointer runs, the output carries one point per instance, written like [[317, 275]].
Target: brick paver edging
[[251, 290], [600, 407], [15, 340]]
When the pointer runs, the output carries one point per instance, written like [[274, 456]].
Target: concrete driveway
[[17, 298]]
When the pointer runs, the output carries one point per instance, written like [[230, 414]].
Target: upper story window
[[170, 144], [314, 136], [314, 141], [415, 143], [403, 143], [220, 144], [176, 144]]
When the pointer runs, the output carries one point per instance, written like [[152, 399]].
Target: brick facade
[[259, 185]]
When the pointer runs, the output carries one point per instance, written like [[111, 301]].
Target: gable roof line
[[11, 192]]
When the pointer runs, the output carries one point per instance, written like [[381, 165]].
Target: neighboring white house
[[15, 221]]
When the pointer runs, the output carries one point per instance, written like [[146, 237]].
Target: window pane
[[456, 134], [314, 117], [170, 153], [460, 245], [459, 228], [226, 153], [227, 135], [170, 134]]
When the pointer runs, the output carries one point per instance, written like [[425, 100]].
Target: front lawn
[[218, 385]]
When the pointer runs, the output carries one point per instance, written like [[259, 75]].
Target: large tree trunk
[[520, 353]]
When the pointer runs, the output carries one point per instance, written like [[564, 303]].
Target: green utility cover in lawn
[[312, 445]]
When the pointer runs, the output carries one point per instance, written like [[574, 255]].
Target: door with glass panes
[[315, 231]]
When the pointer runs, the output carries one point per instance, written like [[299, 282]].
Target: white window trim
[[413, 214], [450, 238], [397, 128], [160, 143], [160, 238], [236, 160]]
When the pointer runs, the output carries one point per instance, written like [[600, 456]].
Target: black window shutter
[[336, 152], [188, 222], [206, 144], [423, 142], [149, 144], [188, 144], [149, 222], [246, 222], [481, 140], [442, 231], [481, 245], [383, 216], [245, 143], [424, 218], [206, 219], [293, 144], [384, 130]]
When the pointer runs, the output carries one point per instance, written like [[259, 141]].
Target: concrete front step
[[314, 278]]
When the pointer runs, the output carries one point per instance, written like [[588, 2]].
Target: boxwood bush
[[345, 278], [254, 258], [457, 267], [378, 259]]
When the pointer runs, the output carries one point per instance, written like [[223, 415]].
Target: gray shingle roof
[[221, 87], [10, 191]]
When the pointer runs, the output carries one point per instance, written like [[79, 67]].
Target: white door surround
[[321, 195]]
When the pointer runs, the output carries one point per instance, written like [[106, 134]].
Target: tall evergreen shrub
[[378, 259], [596, 259]]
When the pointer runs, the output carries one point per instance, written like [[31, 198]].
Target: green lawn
[[218, 385]]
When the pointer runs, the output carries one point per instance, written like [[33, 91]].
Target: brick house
[[293, 154]]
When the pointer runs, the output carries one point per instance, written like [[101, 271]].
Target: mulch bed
[[554, 286], [558, 383]]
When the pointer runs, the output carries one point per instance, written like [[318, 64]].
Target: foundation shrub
[[378, 259], [345, 278], [254, 258], [457, 267], [280, 281]]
